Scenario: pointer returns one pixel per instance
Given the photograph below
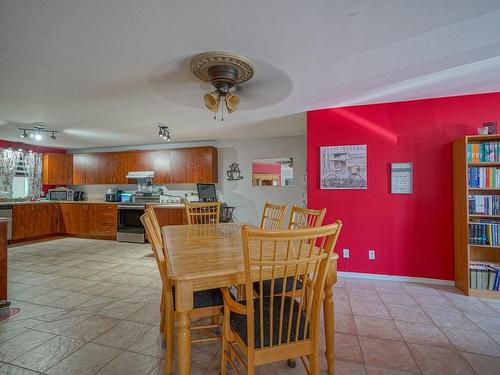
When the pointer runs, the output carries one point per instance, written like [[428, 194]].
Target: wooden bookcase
[[465, 252]]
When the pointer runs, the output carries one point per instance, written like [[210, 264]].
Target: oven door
[[130, 228]]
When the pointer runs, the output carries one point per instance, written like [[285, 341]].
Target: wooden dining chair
[[300, 218], [280, 326], [202, 212], [206, 303], [273, 216]]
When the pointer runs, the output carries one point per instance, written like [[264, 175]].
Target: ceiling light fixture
[[224, 71], [164, 132], [36, 132]]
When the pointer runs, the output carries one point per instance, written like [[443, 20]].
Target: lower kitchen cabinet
[[87, 219], [32, 220], [170, 216], [102, 219]]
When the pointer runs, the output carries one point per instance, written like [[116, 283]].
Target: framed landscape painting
[[343, 167]]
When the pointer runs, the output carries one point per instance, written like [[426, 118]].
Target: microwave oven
[[61, 194]]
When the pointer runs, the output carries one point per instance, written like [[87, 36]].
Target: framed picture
[[343, 167], [401, 178]]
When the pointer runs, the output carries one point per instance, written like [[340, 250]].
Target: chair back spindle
[[273, 216], [202, 212], [301, 218]]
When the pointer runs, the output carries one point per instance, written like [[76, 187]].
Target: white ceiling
[[105, 72]]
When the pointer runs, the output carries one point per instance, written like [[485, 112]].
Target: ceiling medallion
[[223, 70]]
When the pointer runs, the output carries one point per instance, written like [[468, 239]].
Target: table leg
[[184, 304], [328, 315]]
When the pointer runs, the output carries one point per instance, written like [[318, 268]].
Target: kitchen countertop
[[91, 201]]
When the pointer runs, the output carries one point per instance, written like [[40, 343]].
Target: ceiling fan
[[224, 71]]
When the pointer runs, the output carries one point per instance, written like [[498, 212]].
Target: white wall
[[247, 199]]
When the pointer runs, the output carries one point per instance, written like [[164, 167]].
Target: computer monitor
[[206, 192]]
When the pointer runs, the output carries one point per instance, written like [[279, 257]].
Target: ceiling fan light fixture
[[223, 70], [212, 101]]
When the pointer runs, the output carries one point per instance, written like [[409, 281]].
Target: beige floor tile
[[472, 341], [342, 306], [119, 309], [359, 284], [123, 334], [72, 300], [147, 314], [121, 291], [347, 368], [49, 353], [451, 319], [408, 314], [375, 327], [369, 309], [127, 363], [149, 344], [85, 361], [374, 370], [488, 324], [387, 353], [344, 323], [22, 343], [8, 369], [59, 326], [398, 299], [417, 333], [364, 295], [91, 328], [434, 301], [484, 365], [96, 304], [347, 348], [439, 361]]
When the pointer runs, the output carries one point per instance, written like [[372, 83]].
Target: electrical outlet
[[346, 253], [371, 254]]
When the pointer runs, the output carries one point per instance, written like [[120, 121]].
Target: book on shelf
[[484, 232], [484, 276], [484, 204], [484, 177], [483, 152]]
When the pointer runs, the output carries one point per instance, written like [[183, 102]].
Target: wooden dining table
[[210, 256]]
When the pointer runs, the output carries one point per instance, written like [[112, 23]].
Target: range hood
[[141, 174]]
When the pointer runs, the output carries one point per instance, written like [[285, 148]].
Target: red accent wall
[[411, 234]]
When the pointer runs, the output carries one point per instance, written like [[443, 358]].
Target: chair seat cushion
[[239, 322], [278, 286], [205, 298]]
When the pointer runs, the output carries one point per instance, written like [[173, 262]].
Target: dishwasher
[[6, 213]]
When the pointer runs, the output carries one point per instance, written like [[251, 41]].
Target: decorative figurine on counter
[[234, 173]]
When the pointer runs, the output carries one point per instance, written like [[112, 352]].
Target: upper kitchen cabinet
[[86, 169], [57, 169], [184, 165], [193, 165]]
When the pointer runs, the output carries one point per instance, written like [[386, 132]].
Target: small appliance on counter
[[61, 194], [80, 196], [113, 195]]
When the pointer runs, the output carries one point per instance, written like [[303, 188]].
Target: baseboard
[[374, 276]]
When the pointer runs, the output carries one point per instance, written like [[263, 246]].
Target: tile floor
[[91, 307]]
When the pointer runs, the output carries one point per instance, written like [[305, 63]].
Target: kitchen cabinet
[[170, 215], [30, 220], [87, 219], [57, 169], [102, 219], [193, 165], [185, 165], [86, 169]]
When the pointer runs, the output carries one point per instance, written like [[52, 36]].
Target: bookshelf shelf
[[479, 216], [484, 293], [484, 164], [466, 253]]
